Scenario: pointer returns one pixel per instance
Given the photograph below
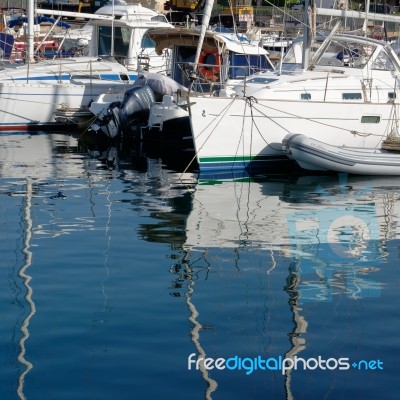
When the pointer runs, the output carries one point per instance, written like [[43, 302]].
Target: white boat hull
[[35, 105], [238, 133], [86, 76], [341, 97], [313, 154], [25, 106]]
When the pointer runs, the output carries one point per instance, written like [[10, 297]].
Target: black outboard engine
[[109, 124], [135, 108]]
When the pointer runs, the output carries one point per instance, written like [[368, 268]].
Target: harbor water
[[124, 277]]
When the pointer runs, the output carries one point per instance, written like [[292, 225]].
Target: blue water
[[115, 269]]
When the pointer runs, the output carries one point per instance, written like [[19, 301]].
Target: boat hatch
[[261, 80]]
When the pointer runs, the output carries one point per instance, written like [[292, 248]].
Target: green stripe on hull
[[233, 159]]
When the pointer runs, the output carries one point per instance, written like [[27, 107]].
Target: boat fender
[[135, 107]]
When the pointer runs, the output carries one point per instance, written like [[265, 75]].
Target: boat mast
[[365, 26], [30, 19], [112, 30], [308, 5], [204, 25]]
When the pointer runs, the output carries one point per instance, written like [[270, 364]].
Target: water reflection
[[72, 190], [333, 230], [38, 156], [300, 324], [26, 278], [250, 261], [211, 384]]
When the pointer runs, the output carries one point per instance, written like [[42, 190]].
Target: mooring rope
[[221, 115], [272, 119]]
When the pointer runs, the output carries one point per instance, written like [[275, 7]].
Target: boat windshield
[[345, 53], [147, 43], [383, 62], [121, 41]]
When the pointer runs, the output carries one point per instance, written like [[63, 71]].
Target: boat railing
[[211, 78], [142, 63]]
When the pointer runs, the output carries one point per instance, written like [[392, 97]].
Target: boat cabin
[[126, 40], [224, 57]]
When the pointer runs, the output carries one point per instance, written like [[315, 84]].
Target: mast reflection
[[23, 274], [212, 385], [300, 324]]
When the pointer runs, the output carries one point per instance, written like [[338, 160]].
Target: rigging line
[[241, 42], [221, 115], [286, 14], [251, 112], [250, 98], [241, 140], [89, 123], [312, 120], [233, 19]]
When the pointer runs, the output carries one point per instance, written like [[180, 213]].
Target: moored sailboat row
[[238, 109]]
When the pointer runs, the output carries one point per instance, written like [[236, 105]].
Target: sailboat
[[222, 59], [346, 94], [33, 95]]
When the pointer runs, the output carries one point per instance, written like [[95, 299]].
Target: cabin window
[[242, 65], [159, 18], [121, 41], [87, 76], [370, 119], [305, 96], [351, 96], [147, 43], [391, 95]]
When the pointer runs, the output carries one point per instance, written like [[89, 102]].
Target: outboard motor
[[113, 127], [135, 108], [109, 124]]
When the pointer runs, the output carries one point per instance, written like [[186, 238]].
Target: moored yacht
[[33, 94], [225, 59], [347, 95]]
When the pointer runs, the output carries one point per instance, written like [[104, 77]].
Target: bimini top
[[37, 20], [165, 38]]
